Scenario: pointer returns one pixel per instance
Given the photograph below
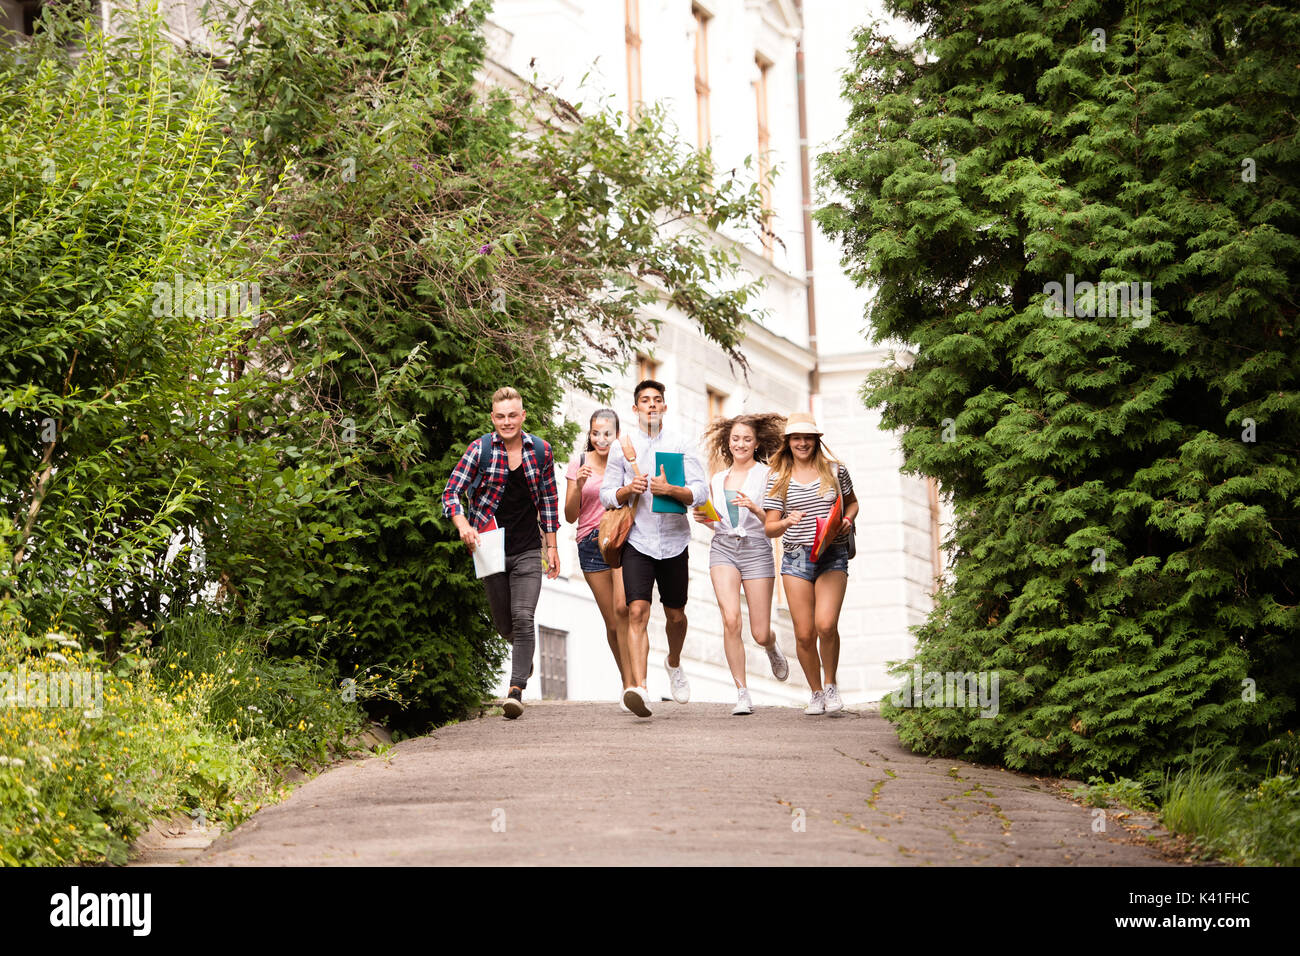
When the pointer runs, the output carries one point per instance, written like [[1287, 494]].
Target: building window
[[703, 133], [764, 147], [632, 35], [716, 402], [20, 16], [646, 368], [555, 664]]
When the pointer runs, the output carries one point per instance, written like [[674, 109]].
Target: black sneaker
[[514, 705]]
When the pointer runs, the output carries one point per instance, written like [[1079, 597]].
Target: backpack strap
[[484, 455]]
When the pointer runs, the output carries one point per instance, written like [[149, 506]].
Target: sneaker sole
[[741, 713], [634, 703], [512, 708]]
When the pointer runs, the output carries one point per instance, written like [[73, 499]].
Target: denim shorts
[[799, 564], [589, 559]]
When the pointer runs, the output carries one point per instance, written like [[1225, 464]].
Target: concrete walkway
[[582, 783]]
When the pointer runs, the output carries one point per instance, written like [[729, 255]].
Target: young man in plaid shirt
[[511, 480]]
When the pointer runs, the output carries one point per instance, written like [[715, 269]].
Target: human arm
[[461, 476], [552, 556], [613, 493], [775, 521], [577, 476], [778, 523], [851, 506]]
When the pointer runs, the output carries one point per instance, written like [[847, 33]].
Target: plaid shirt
[[487, 497]]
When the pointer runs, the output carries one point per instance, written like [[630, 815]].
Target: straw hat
[[801, 423]]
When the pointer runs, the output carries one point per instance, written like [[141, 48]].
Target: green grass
[[1254, 823], [1228, 815]]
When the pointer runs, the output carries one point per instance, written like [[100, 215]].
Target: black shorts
[[640, 573]]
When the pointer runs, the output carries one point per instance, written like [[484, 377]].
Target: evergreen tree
[[1126, 483]]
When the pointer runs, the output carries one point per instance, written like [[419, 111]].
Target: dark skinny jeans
[[513, 595]]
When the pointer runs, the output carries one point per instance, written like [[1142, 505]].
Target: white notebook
[[490, 555]]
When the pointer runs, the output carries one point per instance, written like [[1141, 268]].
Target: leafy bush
[[1121, 790], [133, 343], [298, 711], [206, 726]]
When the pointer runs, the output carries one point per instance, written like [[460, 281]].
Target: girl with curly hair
[[740, 557]]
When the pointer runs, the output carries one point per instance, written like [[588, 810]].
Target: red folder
[[828, 528]]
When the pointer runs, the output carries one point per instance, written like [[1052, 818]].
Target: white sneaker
[[780, 666], [817, 705], [742, 702], [681, 689], [622, 706], [636, 700], [832, 699]]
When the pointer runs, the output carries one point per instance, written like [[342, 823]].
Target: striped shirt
[[805, 498]]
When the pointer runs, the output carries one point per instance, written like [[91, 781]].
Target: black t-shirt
[[518, 515]]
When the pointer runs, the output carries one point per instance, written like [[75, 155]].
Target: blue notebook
[[674, 466]]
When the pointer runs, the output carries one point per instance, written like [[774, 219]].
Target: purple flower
[[485, 248], [296, 235], [416, 166]]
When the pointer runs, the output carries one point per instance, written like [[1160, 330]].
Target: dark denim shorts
[[589, 559], [798, 562]]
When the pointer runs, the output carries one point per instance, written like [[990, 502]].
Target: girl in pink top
[[582, 505]]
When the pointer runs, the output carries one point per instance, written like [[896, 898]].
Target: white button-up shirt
[[656, 535], [753, 488]]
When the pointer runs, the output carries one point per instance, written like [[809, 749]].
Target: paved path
[[581, 783]]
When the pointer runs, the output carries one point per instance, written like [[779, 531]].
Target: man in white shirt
[[657, 546]]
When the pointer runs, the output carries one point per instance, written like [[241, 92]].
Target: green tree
[[131, 243], [450, 241], [1126, 486]]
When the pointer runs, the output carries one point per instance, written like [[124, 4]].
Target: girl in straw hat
[[804, 484]]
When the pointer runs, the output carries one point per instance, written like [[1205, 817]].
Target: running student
[[803, 485], [509, 475], [656, 549], [740, 556], [582, 505]]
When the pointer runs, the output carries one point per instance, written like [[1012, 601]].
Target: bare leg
[[675, 630], [758, 597], [621, 625], [602, 588], [638, 640], [726, 585], [800, 596], [830, 588]]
